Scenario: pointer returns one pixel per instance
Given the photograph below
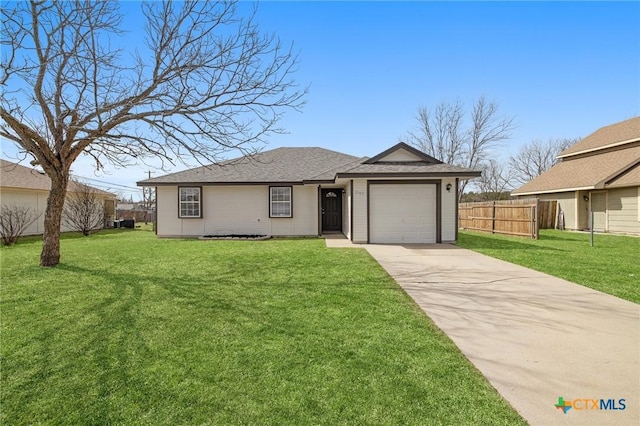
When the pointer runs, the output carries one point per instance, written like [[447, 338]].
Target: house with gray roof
[[29, 187], [401, 195], [596, 182]]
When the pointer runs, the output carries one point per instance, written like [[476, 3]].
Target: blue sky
[[561, 69]]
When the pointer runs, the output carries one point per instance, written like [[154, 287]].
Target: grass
[[612, 265], [130, 329]]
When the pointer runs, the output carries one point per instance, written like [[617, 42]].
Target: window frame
[[180, 202], [271, 201]]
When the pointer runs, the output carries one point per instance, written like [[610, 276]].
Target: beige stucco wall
[[346, 209], [35, 200], [238, 209], [622, 210], [567, 202], [360, 223], [448, 218], [245, 210]]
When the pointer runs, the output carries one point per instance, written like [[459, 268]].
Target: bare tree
[[445, 134], [84, 209], [495, 182], [205, 82], [124, 198], [14, 220], [439, 132], [148, 201], [537, 157]]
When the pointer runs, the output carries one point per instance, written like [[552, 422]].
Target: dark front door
[[331, 210]]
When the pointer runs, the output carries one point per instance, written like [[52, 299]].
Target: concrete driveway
[[533, 336]]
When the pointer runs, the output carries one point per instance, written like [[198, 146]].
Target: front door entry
[[331, 210]]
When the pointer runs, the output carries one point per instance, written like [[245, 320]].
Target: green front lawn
[[612, 265], [130, 329]]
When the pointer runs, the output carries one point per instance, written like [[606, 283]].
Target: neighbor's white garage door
[[402, 213]]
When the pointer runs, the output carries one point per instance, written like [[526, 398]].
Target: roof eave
[[317, 181], [409, 174], [600, 148], [552, 191], [238, 183]]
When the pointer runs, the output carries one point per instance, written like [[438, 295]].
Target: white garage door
[[402, 213]]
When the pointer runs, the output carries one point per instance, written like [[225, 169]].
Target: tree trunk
[[52, 219]]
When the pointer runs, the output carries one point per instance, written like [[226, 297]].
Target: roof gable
[[593, 162], [617, 134], [402, 153], [630, 177], [583, 172]]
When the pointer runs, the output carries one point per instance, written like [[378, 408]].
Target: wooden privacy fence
[[137, 215], [511, 217]]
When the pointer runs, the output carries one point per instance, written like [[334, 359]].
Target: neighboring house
[[599, 174], [25, 186], [139, 211], [138, 206], [399, 196]]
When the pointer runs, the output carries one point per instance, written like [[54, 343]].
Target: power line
[[107, 183]]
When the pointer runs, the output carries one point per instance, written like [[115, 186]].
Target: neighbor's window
[[190, 200], [280, 201]]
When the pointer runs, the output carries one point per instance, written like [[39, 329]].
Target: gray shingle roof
[[13, 175], [301, 165], [285, 165]]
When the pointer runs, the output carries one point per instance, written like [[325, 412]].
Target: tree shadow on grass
[[143, 320], [136, 323]]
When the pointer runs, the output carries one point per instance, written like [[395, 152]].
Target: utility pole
[[148, 196]]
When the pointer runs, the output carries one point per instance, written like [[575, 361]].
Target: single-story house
[[600, 174], [401, 195], [25, 186], [138, 211]]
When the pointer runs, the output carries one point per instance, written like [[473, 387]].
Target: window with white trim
[[280, 201], [189, 200]]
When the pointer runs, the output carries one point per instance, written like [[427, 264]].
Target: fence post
[[493, 218], [537, 219]]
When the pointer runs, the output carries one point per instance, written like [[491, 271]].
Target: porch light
[[449, 187]]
